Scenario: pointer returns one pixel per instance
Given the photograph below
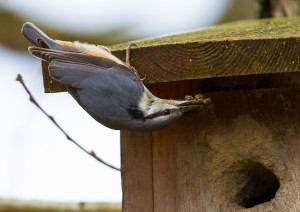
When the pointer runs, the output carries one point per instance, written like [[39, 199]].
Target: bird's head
[[158, 113]]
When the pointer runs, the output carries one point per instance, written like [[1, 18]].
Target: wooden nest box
[[246, 154]]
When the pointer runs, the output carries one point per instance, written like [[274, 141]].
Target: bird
[[107, 88]]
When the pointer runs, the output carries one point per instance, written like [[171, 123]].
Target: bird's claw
[[128, 51]]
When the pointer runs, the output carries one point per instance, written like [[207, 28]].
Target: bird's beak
[[187, 106]]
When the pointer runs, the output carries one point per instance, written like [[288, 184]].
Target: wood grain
[[164, 171], [236, 49], [136, 165]]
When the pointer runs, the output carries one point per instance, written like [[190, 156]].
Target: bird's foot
[[128, 51]]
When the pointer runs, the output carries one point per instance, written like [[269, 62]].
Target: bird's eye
[[166, 112]]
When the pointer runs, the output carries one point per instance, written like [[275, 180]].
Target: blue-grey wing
[[104, 88]]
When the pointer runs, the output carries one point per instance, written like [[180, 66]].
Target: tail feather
[[37, 37]]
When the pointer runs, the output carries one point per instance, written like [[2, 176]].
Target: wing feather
[[70, 73], [49, 55], [69, 68]]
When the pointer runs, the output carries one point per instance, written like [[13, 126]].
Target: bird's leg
[[128, 50]]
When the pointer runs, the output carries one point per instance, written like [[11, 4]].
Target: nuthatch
[[108, 89]]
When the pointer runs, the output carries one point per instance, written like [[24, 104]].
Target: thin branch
[[91, 153]]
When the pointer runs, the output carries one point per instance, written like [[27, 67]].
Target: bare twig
[[91, 153]]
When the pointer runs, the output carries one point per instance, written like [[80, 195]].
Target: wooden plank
[[143, 173], [164, 170], [165, 151], [191, 194], [136, 164], [235, 49]]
